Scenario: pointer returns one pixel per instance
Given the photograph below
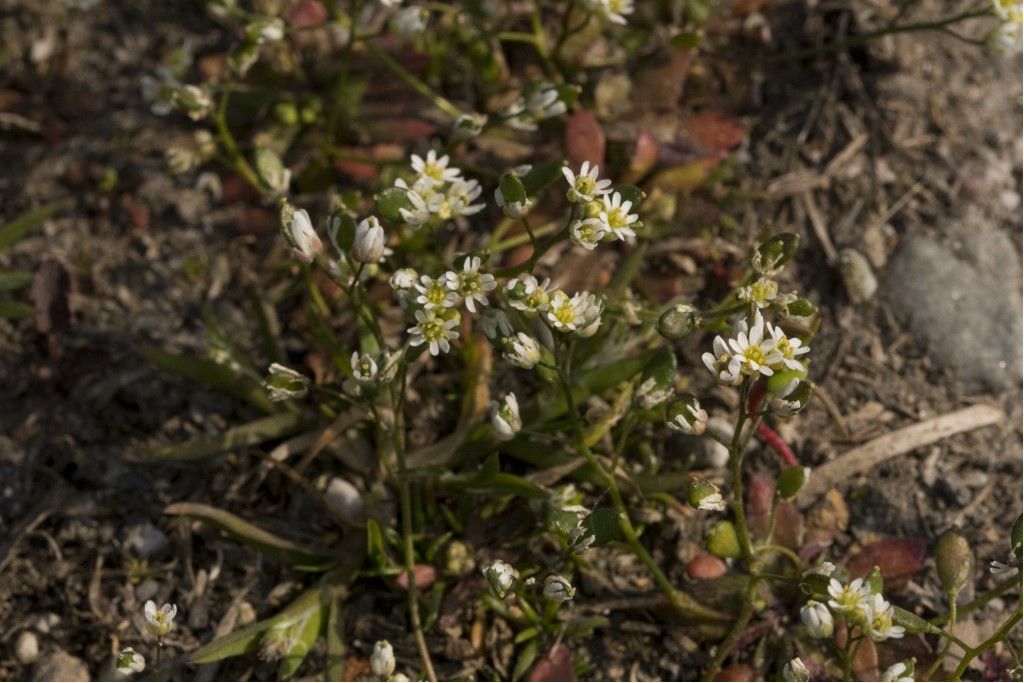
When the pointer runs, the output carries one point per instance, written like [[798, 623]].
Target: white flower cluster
[[755, 349], [858, 605], [579, 314], [606, 214], [439, 192], [437, 299]]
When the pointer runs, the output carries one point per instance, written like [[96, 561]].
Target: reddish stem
[[772, 438]]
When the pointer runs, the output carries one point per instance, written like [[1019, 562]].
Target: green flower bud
[[678, 322], [874, 581], [391, 201], [512, 187], [954, 561], [722, 540], [773, 254], [703, 495]]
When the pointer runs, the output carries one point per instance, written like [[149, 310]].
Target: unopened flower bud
[[954, 561], [580, 539], [501, 576], [511, 196], [818, 619], [283, 383], [900, 672], [382, 660], [558, 589], [522, 350], [685, 415], [773, 254], [703, 495], [795, 671], [678, 322], [409, 22], [368, 245], [299, 233], [130, 662], [505, 420]]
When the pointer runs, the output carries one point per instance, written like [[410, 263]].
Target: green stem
[[412, 81], [980, 601], [405, 494], [949, 643], [973, 652], [227, 140], [770, 548], [740, 625]]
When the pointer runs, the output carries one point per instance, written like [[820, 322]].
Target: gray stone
[[964, 306], [61, 666], [145, 540], [26, 647]]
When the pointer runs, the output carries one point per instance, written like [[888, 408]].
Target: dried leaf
[[584, 139], [554, 665], [50, 288], [898, 559], [716, 131]]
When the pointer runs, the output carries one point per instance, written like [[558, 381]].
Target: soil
[[927, 135]]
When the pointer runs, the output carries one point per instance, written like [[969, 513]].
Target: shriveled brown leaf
[[643, 158], [789, 526], [51, 287], [827, 518], [717, 131], [758, 501], [554, 665], [307, 13], [897, 558]]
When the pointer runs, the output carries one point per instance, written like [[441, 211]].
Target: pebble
[[26, 647], [145, 540], [859, 278], [345, 499], [147, 590], [963, 306], [61, 666]]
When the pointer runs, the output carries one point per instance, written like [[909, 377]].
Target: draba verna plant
[[450, 282]]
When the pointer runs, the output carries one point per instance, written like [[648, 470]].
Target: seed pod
[[722, 540], [791, 481], [678, 322], [391, 201], [954, 561]]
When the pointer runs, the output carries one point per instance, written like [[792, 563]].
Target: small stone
[[147, 590], [875, 245], [858, 276], [61, 666], [345, 499], [145, 540], [26, 647]]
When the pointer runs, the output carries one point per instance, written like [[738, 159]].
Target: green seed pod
[[954, 561], [703, 495], [723, 541], [911, 622], [783, 383], [678, 322], [800, 308], [390, 201], [874, 581], [791, 481]]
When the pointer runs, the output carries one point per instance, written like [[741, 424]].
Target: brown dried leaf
[[737, 672], [644, 157], [50, 289], [758, 501], [584, 139], [554, 665], [716, 131], [898, 559]]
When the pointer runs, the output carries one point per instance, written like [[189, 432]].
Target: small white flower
[[558, 589], [585, 187], [419, 214], [818, 619], [364, 368], [795, 671], [722, 363], [368, 245], [461, 195], [390, 3], [434, 170], [159, 622], [690, 419], [194, 101], [587, 232], [469, 126], [130, 662], [789, 348], [435, 293], [528, 295], [501, 576], [409, 22], [544, 103], [404, 279], [471, 284], [267, 30], [761, 292], [299, 232], [565, 313], [382, 659], [880, 626], [284, 384], [593, 308], [434, 331], [616, 216], [756, 355], [898, 673], [522, 350], [505, 420], [851, 600]]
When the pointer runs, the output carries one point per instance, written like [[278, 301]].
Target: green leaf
[[604, 524], [213, 375], [15, 279], [303, 634], [562, 521], [299, 556], [251, 434], [15, 309], [248, 639], [20, 226], [375, 544], [527, 656], [337, 647]]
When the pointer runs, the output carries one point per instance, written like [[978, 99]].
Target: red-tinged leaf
[[584, 139], [898, 559], [758, 499], [717, 131], [307, 13], [401, 130], [423, 574], [705, 567], [256, 221], [644, 157], [234, 189], [789, 527], [737, 672], [554, 665]]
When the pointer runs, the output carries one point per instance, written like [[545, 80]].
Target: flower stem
[[412, 81], [995, 638], [227, 140], [945, 650], [980, 601]]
